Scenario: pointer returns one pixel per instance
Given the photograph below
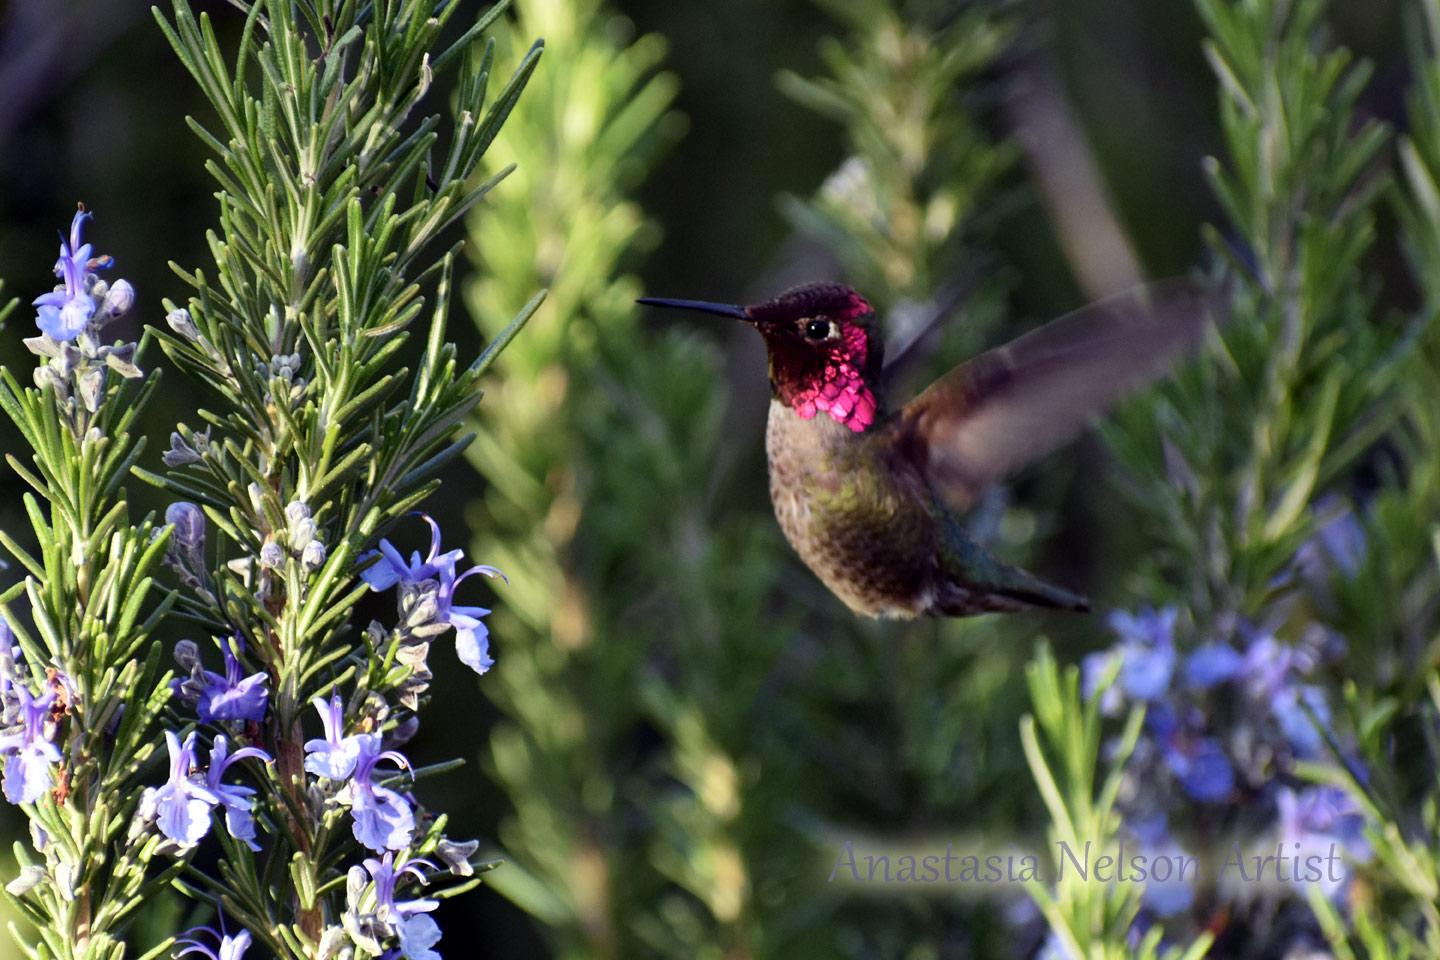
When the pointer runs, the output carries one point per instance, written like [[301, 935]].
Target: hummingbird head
[[825, 351]]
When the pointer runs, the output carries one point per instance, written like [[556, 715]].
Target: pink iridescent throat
[[830, 381]]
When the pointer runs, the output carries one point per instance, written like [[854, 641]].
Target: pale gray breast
[[869, 539], [801, 455]]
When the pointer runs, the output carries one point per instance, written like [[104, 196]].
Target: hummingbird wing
[[995, 413]]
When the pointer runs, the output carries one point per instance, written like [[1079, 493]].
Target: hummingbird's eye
[[819, 329]]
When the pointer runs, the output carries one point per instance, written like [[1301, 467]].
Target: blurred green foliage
[[690, 726]]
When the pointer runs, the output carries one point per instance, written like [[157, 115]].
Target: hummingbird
[[871, 497]]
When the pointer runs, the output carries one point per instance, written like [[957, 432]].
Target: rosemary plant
[[336, 186], [1244, 470], [82, 691]]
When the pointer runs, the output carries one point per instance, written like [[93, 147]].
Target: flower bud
[[457, 856], [402, 733], [332, 942], [180, 452], [314, 555], [271, 556], [30, 877], [46, 376], [187, 654], [181, 323], [304, 532], [118, 300], [90, 384], [189, 524]]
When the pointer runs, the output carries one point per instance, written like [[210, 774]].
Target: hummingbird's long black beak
[[703, 306]]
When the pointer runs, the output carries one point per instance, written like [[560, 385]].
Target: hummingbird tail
[[963, 602], [1004, 589], [1043, 594]]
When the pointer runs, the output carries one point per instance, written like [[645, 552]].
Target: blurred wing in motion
[[993, 414]]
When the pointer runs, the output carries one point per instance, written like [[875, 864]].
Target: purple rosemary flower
[[383, 819], [181, 807], [1211, 665], [1146, 651], [29, 753], [239, 802], [385, 875], [1269, 666], [1203, 769], [233, 696], [374, 915], [1321, 821], [1303, 714], [1147, 644], [1199, 763], [64, 312], [418, 934], [1168, 897], [226, 947], [392, 567], [472, 636], [435, 576], [189, 523], [334, 757], [12, 676]]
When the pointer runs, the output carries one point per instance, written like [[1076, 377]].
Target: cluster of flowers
[[30, 722], [71, 318], [1225, 726], [355, 768]]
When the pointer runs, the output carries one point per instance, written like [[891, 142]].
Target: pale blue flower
[[385, 875], [417, 935], [1199, 763], [233, 696], [181, 806], [10, 674], [64, 313], [238, 801], [1300, 728], [392, 567], [1203, 769], [1320, 821], [1269, 665], [1211, 664], [472, 636], [334, 756], [382, 818], [1147, 652], [29, 755], [226, 947], [374, 914]]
